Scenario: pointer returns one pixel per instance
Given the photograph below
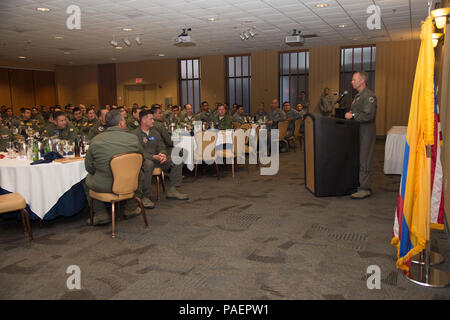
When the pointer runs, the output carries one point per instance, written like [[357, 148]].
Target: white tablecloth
[[394, 150], [41, 185]]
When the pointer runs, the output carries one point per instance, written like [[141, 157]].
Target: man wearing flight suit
[[364, 110], [205, 114], [222, 120], [291, 115], [24, 121], [326, 103], [5, 136], [159, 126], [79, 121], [275, 115], [304, 102], [260, 114], [115, 140], [133, 121], [64, 129], [155, 156], [91, 121], [238, 116], [101, 124]]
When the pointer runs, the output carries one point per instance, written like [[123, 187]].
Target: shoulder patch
[[101, 128], [151, 138], [371, 99], [144, 140], [71, 129]]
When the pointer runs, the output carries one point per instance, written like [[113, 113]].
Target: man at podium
[[363, 110]]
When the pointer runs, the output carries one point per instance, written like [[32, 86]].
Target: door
[[143, 95]]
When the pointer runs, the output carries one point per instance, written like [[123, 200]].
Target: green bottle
[[47, 147], [35, 152]]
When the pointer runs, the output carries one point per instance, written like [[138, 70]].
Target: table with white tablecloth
[[43, 186], [394, 150]]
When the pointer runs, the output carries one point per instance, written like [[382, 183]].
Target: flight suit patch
[[144, 139], [371, 100]]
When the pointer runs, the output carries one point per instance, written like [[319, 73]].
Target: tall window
[[239, 81], [294, 75], [355, 59], [190, 82]]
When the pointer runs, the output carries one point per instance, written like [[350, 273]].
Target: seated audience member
[[133, 121], [124, 112], [260, 114], [291, 115], [24, 121], [188, 117], [222, 120], [275, 115], [157, 156], [5, 136], [36, 116], [101, 124], [205, 114], [91, 121], [64, 129], [234, 108], [48, 129], [9, 119], [115, 140], [68, 111], [159, 126], [326, 103], [79, 121], [175, 116], [83, 109], [238, 116]]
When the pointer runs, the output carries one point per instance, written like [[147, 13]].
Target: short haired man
[[275, 115], [156, 156], [261, 113], [238, 116], [115, 140], [133, 121], [101, 124], [24, 121], [5, 136], [188, 117], [304, 102], [158, 125], [64, 129], [364, 111], [222, 120], [326, 103], [291, 116], [79, 121], [91, 121], [205, 114]]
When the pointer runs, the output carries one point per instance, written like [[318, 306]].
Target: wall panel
[[22, 89], [44, 88], [5, 90], [107, 89]]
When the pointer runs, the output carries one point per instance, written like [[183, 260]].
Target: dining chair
[[125, 183], [159, 174], [15, 202], [200, 156]]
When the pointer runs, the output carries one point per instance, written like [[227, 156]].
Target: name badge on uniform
[[101, 128], [144, 139], [151, 138]]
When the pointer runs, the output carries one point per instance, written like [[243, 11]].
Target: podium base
[[437, 278], [435, 259]]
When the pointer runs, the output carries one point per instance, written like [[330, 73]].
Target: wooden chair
[[231, 153], [199, 153], [14, 202], [293, 138], [297, 134], [124, 186], [282, 128], [159, 174]]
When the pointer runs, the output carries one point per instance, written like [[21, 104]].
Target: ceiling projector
[[184, 40], [295, 40]]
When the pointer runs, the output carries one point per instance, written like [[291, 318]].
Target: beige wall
[[24, 64], [264, 78], [162, 73], [324, 65], [77, 84], [213, 79]]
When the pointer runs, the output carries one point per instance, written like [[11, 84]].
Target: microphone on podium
[[342, 96]]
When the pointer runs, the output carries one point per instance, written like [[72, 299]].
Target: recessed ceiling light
[[322, 5], [161, 54], [43, 9], [113, 59], [211, 19], [21, 57], [127, 29], [119, 47], [59, 37], [341, 26]]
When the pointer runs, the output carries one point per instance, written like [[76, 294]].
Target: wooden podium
[[331, 155]]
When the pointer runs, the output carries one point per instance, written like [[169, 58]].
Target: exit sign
[[138, 80]]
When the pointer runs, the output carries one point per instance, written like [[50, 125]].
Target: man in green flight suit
[[79, 121], [364, 110], [222, 120], [101, 124], [91, 121], [115, 140], [64, 129], [133, 121], [5, 136]]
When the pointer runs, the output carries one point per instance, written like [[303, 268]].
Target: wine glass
[[11, 150], [67, 148]]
